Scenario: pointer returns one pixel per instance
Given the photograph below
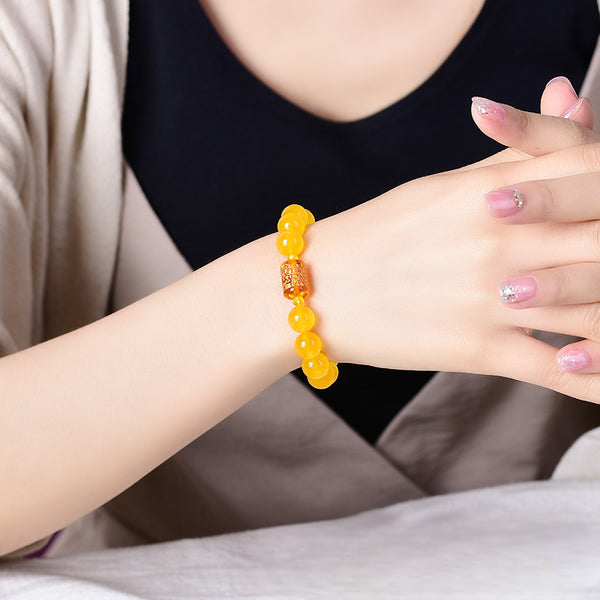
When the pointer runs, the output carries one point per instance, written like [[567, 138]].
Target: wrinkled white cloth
[[522, 541], [528, 540]]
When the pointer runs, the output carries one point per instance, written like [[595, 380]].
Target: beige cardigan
[[284, 457]]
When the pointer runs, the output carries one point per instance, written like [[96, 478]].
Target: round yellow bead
[[296, 208], [311, 217], [316, 367], [298, 301], [291, 222], [301, 318], [290, 244], [308, 345], [327, 379]]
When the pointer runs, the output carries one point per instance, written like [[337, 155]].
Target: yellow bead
[[301, 318], [298, 301], [291, 222], [296, 208], [316, 367], [311, 217], [290, 244], [327, 379], [308, 345]]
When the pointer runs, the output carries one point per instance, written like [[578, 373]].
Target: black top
[[218, 153]]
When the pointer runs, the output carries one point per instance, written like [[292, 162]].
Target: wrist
[[256, 330]]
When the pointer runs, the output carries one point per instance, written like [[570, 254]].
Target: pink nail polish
[[573, 360], [518, 289], [504, 202], [572, 109], [489, 109]]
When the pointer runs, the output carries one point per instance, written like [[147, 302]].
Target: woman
[[407, 281]]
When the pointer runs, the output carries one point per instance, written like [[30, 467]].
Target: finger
[[571, 284], [516, 354], [533, 361], [565, 199], [528, 132], [559, 99], [527, 359], [524, 249], [579, 321], [562, 163]]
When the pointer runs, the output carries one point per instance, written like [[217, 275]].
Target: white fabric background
[[531, 540]]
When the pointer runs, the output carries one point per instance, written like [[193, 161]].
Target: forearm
[[85, 415]]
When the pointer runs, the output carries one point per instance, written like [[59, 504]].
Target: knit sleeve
[[25, 55]]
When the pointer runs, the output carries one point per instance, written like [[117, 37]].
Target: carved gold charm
[[294, 279]]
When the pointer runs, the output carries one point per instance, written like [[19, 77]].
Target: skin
[[118, 397], [342, 59]]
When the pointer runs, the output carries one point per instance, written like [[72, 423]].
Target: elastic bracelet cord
[[319, 370]]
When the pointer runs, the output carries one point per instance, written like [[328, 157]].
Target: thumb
[[559, 99]]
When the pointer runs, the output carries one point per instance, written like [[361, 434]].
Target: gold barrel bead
[[294, 279]]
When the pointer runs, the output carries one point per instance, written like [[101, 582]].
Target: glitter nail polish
[[518, 289], [573, 360], [504, 202], [489, 109]]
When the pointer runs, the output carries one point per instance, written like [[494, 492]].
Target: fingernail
[[518, 289], [504, 202], [564, 80], [572, 109], [489, 109], [573, 360]]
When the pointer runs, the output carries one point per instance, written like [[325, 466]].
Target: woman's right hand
[[409, 279]]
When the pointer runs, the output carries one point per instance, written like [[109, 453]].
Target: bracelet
[[319, 370]]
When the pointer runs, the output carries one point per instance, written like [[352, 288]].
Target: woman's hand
[[409, 280], [565, 200]]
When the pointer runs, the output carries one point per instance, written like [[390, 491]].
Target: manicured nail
[[573, 360], [489, 109], [564, 80], [504, 202], [518, 289], [572, 109]]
